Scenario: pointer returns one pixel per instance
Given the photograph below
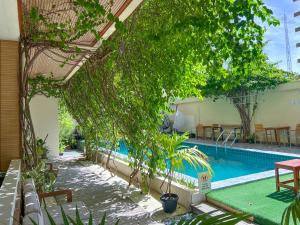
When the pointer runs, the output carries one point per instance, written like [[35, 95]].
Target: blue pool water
[[230, 163]]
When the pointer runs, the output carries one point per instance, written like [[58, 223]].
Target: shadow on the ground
[[101, 193], [286, 196]]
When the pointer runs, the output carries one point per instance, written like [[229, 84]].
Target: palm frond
[[195, 158], [291, 212], [206, 219]]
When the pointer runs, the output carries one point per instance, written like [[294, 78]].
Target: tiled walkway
[[101, 193], [104, 193]]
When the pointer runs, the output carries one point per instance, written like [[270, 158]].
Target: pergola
[[46, 62]]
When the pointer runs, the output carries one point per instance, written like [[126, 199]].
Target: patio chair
[[199, 131], [285, 137], [297, 134], [259, 133], [216, 131]]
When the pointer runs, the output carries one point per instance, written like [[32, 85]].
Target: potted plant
[[175, 152]]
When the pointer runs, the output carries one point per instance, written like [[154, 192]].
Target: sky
[[276, 47]]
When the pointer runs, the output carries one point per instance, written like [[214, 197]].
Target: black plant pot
[[169, 202], [61, 154]]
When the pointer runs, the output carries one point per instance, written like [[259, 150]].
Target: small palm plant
[[222, 219], [292, 213], [175, 153], [67, 220]]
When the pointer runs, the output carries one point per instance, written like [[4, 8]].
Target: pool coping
[[247, 178], [248, 149], [231, 181]]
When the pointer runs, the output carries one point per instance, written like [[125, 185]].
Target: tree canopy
[[242, 89], [166, 49]]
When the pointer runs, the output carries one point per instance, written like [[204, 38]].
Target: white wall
[[44, 112], [278, 107]]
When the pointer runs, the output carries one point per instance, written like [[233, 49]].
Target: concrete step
[[207, 208]]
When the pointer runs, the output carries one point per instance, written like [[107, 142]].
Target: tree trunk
[[245, 116]]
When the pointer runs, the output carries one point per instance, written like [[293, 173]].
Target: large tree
[[242, 88]]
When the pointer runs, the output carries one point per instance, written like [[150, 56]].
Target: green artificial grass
[[258, 198]]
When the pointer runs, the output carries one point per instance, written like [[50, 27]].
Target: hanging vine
[[42, 33], [166, 49]]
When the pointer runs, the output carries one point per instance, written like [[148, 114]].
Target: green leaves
[[175, 153], [165, 50], [291, 214], [52, 28], [67, 219], [222, 219]]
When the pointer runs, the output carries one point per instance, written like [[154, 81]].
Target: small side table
[[293, 165]]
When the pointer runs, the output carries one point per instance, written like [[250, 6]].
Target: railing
[[235, 137], [227, 138], [224, 143], [221, 134]]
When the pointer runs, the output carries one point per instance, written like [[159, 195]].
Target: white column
[[44, 113]]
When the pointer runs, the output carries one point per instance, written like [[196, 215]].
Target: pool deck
[[294, 150]]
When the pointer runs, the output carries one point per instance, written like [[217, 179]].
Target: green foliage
[[67, 220], [66, 127], [44, 180], [175, 152], [163, 51], [40, 28], [291, 214], [43, 85], [188, 183], [222, 219], [241, 86], [123, 88], [259, 75], [41, 148]]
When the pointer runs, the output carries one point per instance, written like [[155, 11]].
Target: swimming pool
[[230, 162]]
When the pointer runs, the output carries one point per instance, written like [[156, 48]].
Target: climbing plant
[[166, 49], [41, 32]]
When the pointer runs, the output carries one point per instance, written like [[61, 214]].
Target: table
[[277, 133], [204, 130], [293, 165]]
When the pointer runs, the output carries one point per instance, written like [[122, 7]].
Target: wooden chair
[[259, 132], [297, 134], [216, 131], [199, 131]]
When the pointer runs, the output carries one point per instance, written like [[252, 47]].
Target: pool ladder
[[224, 143]]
